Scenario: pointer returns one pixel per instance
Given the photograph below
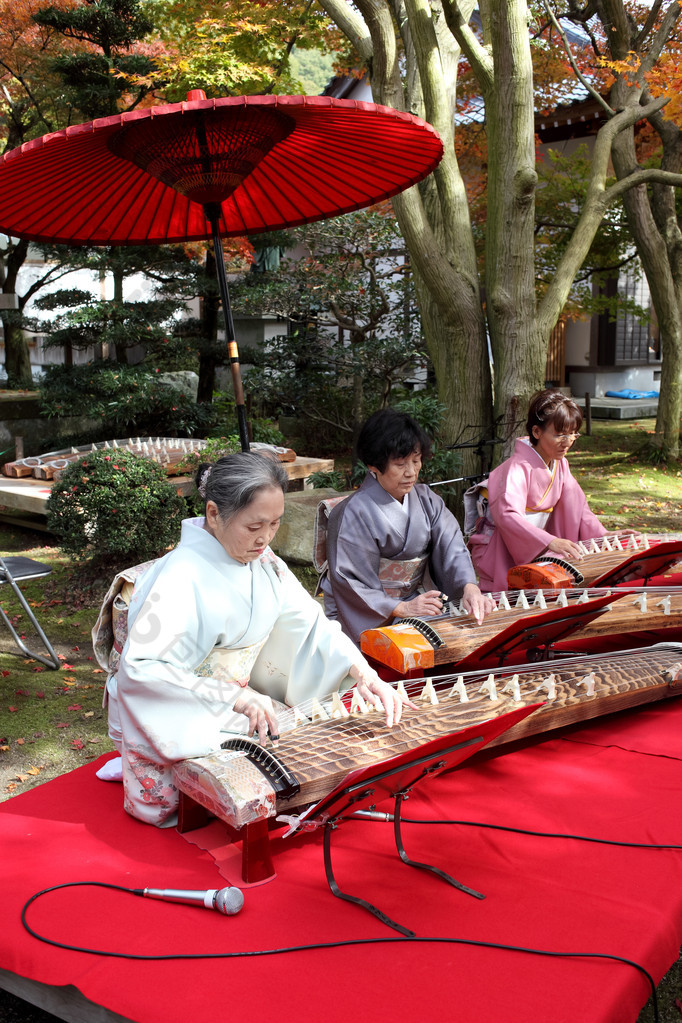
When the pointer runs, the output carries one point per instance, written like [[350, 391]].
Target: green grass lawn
[[621, 488]]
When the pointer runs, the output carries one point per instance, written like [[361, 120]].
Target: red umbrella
[[212, 168]]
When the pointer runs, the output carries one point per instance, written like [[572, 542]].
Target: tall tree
[[435, 217], [58, 64], [641, 45], [31, 103], [413, 50]]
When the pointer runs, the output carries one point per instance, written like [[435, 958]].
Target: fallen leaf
[[12, 710], [89, 714], [77, 744], [5, 674], [94, 741], [62, 724], [33, 770], [21, 777], [75, 706], [67, 667], [20, 742]]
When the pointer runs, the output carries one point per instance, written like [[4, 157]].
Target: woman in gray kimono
[[393, 548]]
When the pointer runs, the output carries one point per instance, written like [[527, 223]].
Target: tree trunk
[[463, 374], [17, 357], [208, 361], [659, 253], [120, 348], [519, 349]]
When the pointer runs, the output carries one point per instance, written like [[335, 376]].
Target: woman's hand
[[260, 712], [476, 603], [380, 694], [565, 548], [423, 605]]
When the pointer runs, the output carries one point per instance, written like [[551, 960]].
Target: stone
[[294, 539], [186, 381]]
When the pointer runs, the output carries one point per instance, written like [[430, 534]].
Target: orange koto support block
[[400, 646]]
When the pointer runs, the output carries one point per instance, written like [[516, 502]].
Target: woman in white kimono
[[217, 630], [392, 541]]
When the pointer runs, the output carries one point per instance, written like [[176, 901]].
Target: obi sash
[[400, 578]]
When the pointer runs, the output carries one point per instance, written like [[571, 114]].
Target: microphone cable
[[315, 946]]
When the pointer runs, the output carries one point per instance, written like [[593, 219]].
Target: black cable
[[315, 946], [541, 834]]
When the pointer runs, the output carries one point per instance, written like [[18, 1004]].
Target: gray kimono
[[378, 556]]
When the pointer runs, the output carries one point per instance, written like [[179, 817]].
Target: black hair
[[553, 408], [391, 434]]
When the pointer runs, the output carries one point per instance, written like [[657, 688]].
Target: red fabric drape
[[619, 778]]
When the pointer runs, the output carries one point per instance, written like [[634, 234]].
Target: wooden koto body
[[608, 618], [605, 561], [320, 753], [170, 453]]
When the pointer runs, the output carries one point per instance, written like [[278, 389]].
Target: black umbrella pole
[[232, 347]]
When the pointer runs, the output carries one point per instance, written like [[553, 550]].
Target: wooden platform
[[29, 495]]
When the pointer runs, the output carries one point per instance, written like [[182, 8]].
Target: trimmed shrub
[[112, 506]]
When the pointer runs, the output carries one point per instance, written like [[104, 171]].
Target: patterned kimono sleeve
[[509, 495]]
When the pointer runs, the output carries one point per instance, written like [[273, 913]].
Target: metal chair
[[13, 571]]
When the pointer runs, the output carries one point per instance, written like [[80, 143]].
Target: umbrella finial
[[195, 94]]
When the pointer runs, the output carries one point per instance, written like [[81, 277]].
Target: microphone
[[225, 900]]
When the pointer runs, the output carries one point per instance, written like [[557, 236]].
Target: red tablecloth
[[618, 778]]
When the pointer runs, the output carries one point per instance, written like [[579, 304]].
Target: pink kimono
[[517, 489]]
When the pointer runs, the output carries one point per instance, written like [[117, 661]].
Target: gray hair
[[233, 481]]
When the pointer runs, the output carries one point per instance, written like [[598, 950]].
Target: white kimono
[[200, 626]]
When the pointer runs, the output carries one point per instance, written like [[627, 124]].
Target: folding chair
[[14, 570]]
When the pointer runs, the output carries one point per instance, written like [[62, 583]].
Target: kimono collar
[[523, 446]]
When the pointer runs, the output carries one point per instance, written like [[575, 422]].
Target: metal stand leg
[[328, 828], [397, 831], [52, 661]]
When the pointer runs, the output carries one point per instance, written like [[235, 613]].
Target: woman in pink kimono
[[534, 503], [393, 548]]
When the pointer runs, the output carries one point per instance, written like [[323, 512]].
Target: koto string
[[501, 617], [326, 739]]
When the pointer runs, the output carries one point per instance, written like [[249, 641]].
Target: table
[[30, 495]]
